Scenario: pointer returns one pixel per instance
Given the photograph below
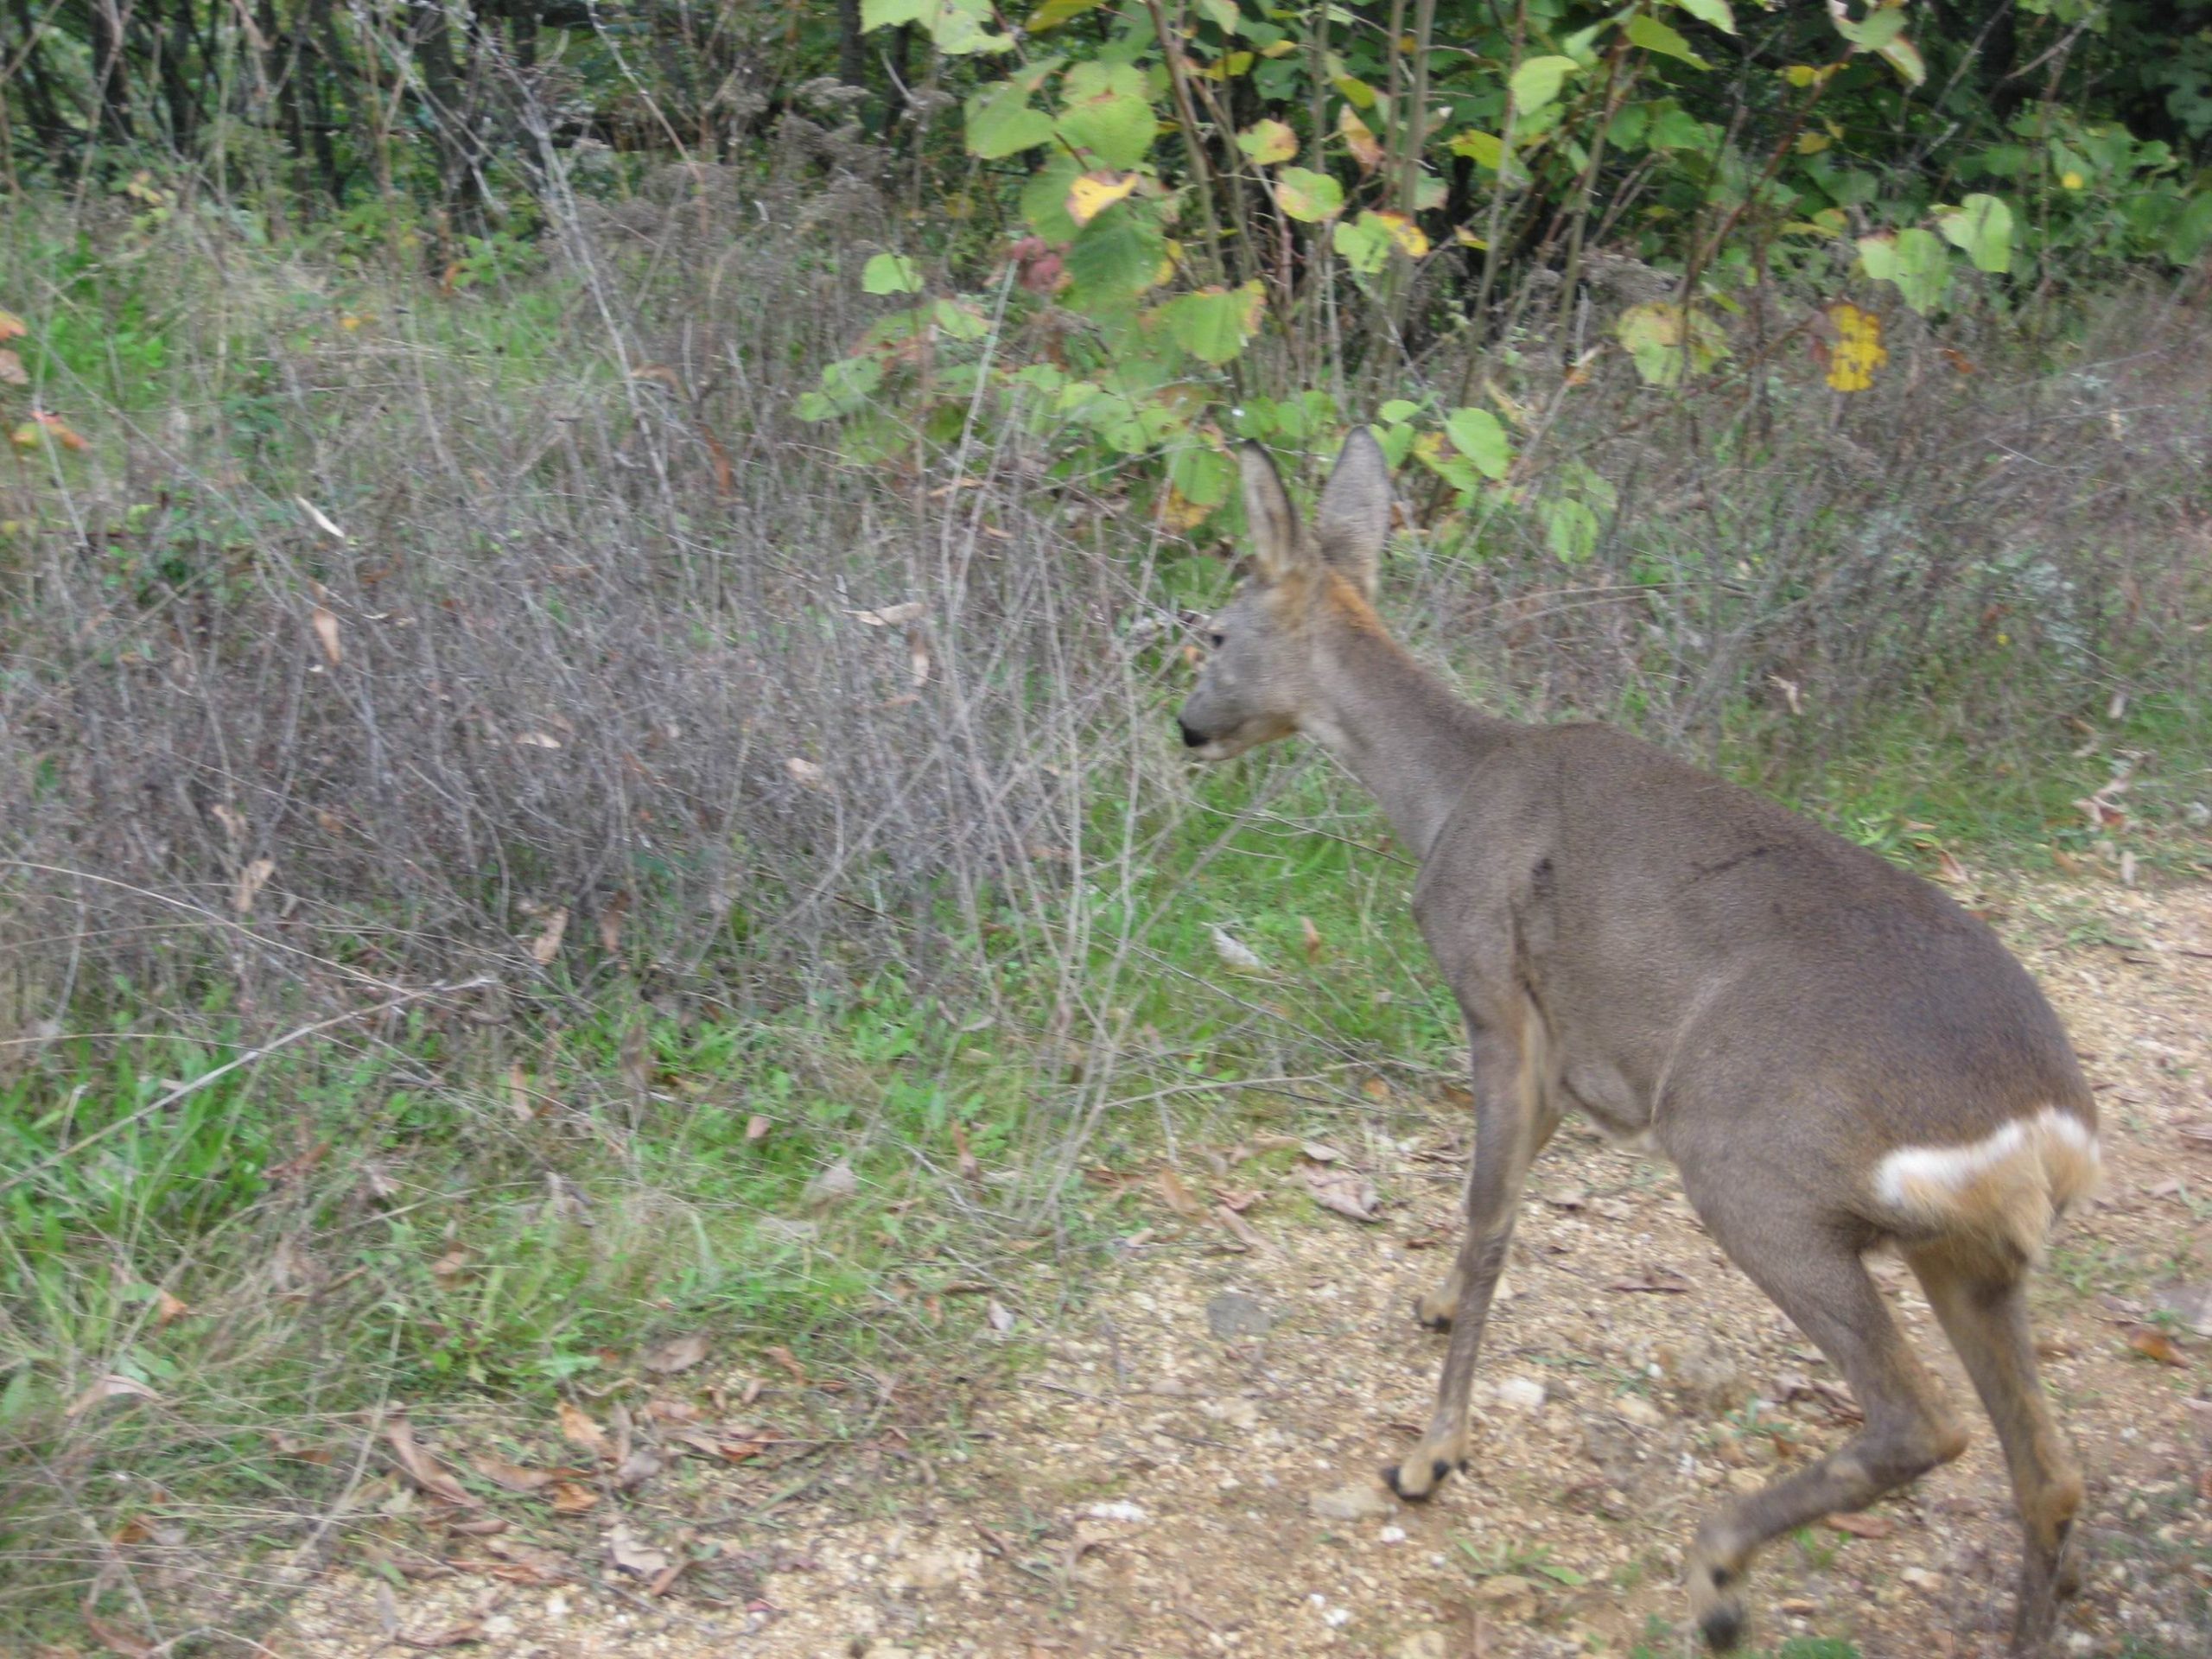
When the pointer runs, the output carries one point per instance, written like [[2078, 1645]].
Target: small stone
[[1921, 1579], [1119, 1509], [1423, 1644], [1638, 1410], [1238, 1414], [1797, 1607], [1232, 1316], [1361, 1500], [499, 1627], [1392, 1536], [1521, 1393], [1706, 1379], [1746, 1481]]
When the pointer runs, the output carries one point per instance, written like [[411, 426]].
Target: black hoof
[[1442, 1323], [1437, 1470]]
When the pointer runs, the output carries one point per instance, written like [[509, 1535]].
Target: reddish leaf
[[2154, 1343], [570, 1499], [1863, 1526]]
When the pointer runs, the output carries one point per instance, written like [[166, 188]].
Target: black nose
[[1190, 740]]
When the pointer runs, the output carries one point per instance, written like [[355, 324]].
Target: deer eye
[[1216, 639]]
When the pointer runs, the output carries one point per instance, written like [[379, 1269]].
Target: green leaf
[[1117, 256], [1715, 12], [1005, 125], [1224, 14], [1045, 200], [1205, 476], [1872, 32], [1982, 228], [960, 28], [2192, 231], [884, 14], [1213, 324], [1105, 112], [1053, 13], [1485, 149], [1537, 81], [1307, 195], [959, 319], [1923, 269], [1571, 530], [1364, 243], [1904, 56], [1476, 433], [1398, 409], [891, 273], [1268, 142], [1665, 339], [1648, 32]]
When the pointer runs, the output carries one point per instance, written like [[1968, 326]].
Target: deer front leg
[[1511, 1121]]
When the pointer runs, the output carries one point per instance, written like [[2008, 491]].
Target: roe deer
[[1834, 1054]]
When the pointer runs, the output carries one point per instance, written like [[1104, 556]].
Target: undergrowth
[[832, 914]]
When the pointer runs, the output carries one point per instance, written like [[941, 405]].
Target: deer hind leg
[[1513, 1118], [1817, 1277], [1983, 1307]]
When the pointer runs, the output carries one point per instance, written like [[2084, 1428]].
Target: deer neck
[[1393, 725]]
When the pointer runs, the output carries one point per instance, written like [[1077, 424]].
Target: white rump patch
[[1915, 1170]]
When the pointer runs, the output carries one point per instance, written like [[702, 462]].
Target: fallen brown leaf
[[632, 1554], [1345, 1191], [453, 1635], [756, 1126], [325, 633], [1312, 938], [115, 1639], [111, 1387], [423, 1469], [512, 1475], [568, 1498], [970, 1171], [677, 1354], [580, 1431], [1178, 1196], [1863, 1526], [783, 1358], [251, 880], [1240, 1229], [547, 945]]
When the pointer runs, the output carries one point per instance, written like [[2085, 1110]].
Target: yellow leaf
[[2071, 179], [1359, 139], [1094, 193], [1412, 240], [1858, 351], [325, 633], [12, 370], [1179, 513], [11, 326], [1812, 144]]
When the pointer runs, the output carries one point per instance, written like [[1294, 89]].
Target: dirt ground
[[1189, 1468]]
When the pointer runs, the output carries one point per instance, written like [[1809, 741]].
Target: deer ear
[[1353, 520], [1270, 523]]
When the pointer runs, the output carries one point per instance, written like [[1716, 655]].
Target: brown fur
[[1785, 1015]]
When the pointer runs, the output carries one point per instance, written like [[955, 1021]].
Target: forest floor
[[1183, 1461]]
